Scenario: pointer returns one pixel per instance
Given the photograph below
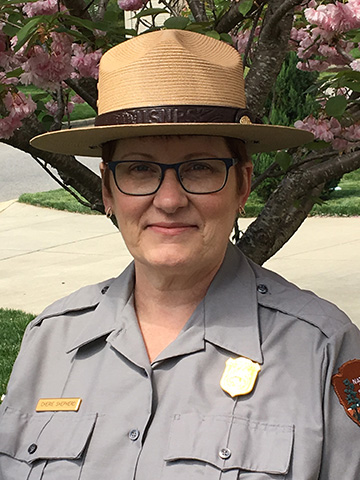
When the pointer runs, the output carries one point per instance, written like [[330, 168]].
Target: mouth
[[171, 229]]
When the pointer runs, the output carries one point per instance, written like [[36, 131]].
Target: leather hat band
[[175, 114]]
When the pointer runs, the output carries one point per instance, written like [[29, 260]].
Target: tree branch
[[198, 10], [288, 206], [72, 172], [86, 89], [279, 13], [78, 8], [269, 55]]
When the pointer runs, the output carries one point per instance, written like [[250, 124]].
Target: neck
[[164, 303]]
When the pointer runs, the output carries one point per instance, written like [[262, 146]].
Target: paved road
[[21, 174]]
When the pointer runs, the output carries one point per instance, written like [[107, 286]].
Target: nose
[[170, 196]]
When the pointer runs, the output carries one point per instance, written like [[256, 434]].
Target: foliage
[[12, 327], [288, 101], [59, 199]]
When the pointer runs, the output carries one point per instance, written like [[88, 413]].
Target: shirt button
[[225, 453], [262, 288], [32, 449], [134, 434]]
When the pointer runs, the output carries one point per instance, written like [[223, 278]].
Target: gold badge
[[239, 376], [58, 405]]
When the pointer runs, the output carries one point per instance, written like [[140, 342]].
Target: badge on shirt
[[239, 376], [58, 405], [346, 384]]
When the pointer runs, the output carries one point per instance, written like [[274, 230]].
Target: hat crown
[[170, 67]]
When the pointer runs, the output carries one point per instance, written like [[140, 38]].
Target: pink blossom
[[131, 4], [313, 65], [86, 63], [46, 69], [355, 65], [353, 132], [8, 125], [41, 7], [335, 17], [52, 107], [340, 144], [242, 38], [319, 127], [18, 104], [19, 107]]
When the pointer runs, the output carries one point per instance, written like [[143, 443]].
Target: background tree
[[56, 45]]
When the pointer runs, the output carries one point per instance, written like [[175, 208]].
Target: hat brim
[[87, 141]]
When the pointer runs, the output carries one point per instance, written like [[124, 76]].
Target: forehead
[[177, 145]]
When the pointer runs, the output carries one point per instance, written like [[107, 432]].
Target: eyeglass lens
[[196, 176]]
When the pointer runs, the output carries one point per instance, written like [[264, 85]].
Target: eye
[[141, 168]]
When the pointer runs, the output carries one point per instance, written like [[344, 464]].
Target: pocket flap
[[30, 437], [231, 443]]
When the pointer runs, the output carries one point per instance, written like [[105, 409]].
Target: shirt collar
[[231, 308], [227, 317]]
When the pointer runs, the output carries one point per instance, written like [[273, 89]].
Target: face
[[173, 228]]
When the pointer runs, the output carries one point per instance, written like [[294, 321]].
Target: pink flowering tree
[[56, 45]]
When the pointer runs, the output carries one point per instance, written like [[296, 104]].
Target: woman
[[194, 362]]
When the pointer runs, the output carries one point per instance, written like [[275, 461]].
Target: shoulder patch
[[346, 384]]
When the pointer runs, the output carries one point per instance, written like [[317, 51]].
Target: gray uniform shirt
[[171, 420]]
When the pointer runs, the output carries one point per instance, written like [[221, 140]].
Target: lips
[[175, 228]]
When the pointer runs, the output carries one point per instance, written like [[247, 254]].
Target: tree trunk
[[289, 205]]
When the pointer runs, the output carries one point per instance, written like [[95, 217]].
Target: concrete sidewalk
[[46, 254]]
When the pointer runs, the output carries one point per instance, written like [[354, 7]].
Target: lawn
[[12, 327], [344, 202]]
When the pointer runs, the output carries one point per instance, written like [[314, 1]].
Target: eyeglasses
[[199, 176]]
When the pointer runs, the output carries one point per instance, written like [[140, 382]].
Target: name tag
[[58, 405]]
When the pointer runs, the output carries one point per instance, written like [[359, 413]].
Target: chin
[[166, 257]]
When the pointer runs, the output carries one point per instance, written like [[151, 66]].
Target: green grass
[[12, 327], [59, 199], [81, 110], [344, 202]]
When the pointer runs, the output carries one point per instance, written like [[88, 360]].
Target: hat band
[[174, 114]]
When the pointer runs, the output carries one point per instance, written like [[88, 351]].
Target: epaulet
[[277, 293], [84, 299]]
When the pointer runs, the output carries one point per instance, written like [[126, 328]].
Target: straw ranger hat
[[171, 82]]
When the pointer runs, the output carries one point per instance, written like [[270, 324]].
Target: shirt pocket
[[227, 448], [43, 445]]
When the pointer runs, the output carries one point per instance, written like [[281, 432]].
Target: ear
[[247, 170], [105, 185]]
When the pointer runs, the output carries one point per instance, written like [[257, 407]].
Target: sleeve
[[341, 458]]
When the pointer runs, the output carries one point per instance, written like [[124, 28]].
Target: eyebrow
[[151, 158]]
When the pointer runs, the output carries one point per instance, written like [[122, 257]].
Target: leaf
[[225, 37], [355, 86], [336, 106], [213, 34], [14, 73], [179, 23], [150, 11], [284, 160], [245, 7], [317, 145], [355, 52], [27, 31]]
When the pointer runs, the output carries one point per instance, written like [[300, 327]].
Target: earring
[[241, 211], [108, 212]]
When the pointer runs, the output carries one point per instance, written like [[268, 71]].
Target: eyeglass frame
[[228, 161]]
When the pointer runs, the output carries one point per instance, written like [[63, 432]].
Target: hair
[[235, 145]]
